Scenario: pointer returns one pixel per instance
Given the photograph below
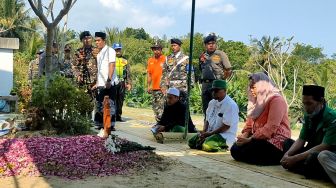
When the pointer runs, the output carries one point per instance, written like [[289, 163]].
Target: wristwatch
[[108, 80]]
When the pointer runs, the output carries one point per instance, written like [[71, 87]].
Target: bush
[[21, 85], [139, 97], [66, 107], [195, 100], [237, 90]]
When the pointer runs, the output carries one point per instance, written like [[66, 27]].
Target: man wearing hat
[[175, 70], [154, 74], [106, 79], [34, 66], [214, 65], [85, 64], [318, 131], [174, 115], [221, 123], [124, 76]]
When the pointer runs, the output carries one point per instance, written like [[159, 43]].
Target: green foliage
[[237, 90], [195, 100], [308, 53], [139, 96], [14, 19], [67, 108], [237, 52], [21, 86], [139, 33]]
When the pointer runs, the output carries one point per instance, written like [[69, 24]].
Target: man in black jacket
[[174, 114]]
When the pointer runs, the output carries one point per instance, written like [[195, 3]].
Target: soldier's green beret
[[101, 35], [84, 34], [219, 84], [176, 41]]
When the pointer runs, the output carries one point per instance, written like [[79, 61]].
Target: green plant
[[237, 90], [66, 107], [139, 97], [195, 100]]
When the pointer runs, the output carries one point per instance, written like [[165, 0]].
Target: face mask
[[316, 111]]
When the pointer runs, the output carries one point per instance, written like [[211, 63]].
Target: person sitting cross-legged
[[318, 133], [174, 115], [221, 122], [327, 160], [267, 124]]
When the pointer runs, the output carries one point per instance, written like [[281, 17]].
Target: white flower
[[111, 144]]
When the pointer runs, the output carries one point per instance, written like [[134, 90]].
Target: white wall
[[6, 71]]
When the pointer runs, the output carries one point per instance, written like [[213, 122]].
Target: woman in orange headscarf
[[267, 124]]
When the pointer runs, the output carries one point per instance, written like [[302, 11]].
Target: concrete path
[[137, 129]]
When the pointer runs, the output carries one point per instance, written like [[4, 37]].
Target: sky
[[309, 21]]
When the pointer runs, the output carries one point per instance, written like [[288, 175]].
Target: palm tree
[[33, 40], [264, 47], [13, 18]]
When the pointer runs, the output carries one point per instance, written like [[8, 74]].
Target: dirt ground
[[167, 174]]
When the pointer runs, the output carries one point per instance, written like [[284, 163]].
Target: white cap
[[174, 91]]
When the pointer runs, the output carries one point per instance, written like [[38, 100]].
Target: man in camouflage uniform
[[175, 71], [85, 64], [124, 76], [215, 65], [154, 74], [66, 65], [34, 66]]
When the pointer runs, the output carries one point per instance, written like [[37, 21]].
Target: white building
[[7, 45]]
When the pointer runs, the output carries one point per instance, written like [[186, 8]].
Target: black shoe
[[113, 129], [120, 119]]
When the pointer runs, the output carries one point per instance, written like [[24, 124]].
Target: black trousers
[[206, 96], [120, 97], [102, 92], [259, 152], [310, 167]]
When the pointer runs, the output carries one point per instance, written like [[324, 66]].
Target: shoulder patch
[[170, 60], [216, 58]]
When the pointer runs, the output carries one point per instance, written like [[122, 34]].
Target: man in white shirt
[[106, 79], [221, 124]]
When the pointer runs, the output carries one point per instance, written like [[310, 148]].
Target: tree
[[37, 7], [308, 53], [263, 48], [34, 41], [14, 20], [136, 33], [237, 52]]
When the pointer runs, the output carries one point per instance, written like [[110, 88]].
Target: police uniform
[[85, 70], [124, 75], [175, 72], [212, 66]]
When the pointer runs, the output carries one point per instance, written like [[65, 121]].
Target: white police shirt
[[106, 56], [223, 112]]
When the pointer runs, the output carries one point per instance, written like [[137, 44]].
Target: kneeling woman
[[267, 124]]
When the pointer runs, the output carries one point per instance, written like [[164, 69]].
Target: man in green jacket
[[318, 131]]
